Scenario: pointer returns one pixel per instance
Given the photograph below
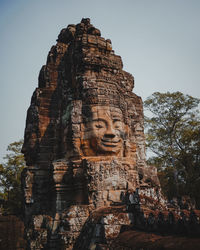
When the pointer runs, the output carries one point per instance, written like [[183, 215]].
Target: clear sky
[[158, 40]]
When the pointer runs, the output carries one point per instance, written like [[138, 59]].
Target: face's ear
[[82, 127], [85, 146], [127, 129], [126, 132]]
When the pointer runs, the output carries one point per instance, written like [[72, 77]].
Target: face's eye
[[117, 124], [99, 124]]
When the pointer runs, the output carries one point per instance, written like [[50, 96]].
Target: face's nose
[[110, 132]]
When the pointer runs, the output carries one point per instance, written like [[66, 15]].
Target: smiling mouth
[[110, 143]]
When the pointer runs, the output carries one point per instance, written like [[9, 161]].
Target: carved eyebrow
[[117, 118], [99, 119]]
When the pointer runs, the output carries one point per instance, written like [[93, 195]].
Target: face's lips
[[110, 143]]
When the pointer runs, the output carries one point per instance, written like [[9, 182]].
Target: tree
[[10, 179], [173, 135]]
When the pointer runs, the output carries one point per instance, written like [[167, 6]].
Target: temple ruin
[[84, 147]]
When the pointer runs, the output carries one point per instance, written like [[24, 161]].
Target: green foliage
[[173, 135], [10, 179]]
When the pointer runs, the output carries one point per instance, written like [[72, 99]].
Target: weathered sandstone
[[85, 148]]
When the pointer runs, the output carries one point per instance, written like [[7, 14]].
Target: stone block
[[84, 138]]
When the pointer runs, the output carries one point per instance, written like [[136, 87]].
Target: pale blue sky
[[158, 41]]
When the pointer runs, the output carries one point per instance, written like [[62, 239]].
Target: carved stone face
[[105, 130]]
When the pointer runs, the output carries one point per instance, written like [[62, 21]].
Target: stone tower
[[84, 146]]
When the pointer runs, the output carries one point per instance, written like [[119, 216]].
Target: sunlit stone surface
[[84, 148]]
